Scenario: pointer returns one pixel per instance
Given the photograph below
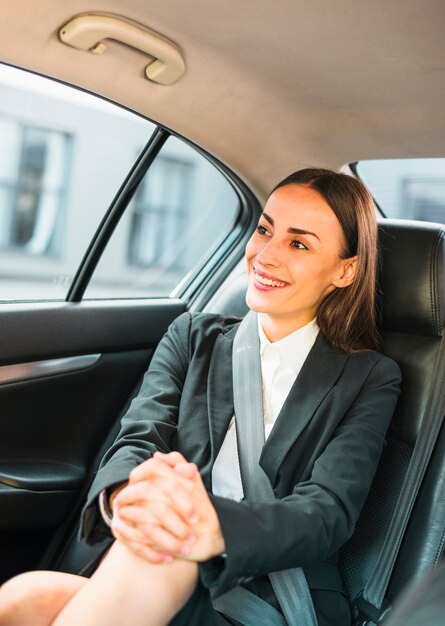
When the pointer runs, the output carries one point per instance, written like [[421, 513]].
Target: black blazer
[[320, 457]]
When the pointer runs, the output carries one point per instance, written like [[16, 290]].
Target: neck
[[275, 328]]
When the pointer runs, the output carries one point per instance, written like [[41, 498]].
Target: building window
[[158, 214], [33, 186]]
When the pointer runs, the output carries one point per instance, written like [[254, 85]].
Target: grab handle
[[88, 31]]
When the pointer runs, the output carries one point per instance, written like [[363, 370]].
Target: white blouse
[[281, 363]]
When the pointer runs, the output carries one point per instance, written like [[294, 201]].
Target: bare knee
[[36, 597], [15, 595], [172, 584], [128, 590]]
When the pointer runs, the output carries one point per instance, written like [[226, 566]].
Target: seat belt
[[290, 586], [370, 604]]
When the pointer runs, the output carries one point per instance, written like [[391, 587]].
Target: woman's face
[[293, 259]]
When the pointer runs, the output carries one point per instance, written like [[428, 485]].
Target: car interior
[[254, 91]]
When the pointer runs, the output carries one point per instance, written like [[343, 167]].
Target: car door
[[91, 277]]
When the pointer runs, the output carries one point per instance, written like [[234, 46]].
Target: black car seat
[[412, 292], [423, 604], [412, 288], [412, 285]]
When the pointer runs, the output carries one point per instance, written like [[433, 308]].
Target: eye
[[296, 243], [262, 230]]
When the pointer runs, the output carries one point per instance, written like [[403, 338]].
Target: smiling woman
[[317, 235], [289, 277], [182, 538], [341, 84]]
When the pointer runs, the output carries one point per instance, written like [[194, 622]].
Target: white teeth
[[268, 281]]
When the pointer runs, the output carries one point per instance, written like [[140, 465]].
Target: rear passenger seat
[[412, 285]]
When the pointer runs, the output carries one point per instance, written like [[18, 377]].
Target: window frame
[[354, 169], [201, 282]]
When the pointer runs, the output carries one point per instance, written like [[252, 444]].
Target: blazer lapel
[[321, 370], [220, 391]]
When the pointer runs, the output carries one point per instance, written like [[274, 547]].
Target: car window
[[181, 212], [64, 155], [407, 188]]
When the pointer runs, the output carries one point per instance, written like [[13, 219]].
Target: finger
[[150, 554], [178, 463], [180, 494], [140, 493], [170, 458], [186, 470], [126, 532], [147, 552], [150, 468], [161, 514], [151, 535], [164, 541], [170, 490]]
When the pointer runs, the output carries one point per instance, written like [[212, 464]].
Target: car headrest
[[412, 277]]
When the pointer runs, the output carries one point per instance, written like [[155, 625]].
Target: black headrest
[[412, 277]]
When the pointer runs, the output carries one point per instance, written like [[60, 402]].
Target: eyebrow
[[294, 231]]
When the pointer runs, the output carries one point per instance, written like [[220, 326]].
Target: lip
[[263, 287]]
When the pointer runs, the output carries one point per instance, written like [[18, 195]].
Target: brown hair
[[347, 316]]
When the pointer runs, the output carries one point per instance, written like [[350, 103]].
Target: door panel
[[156, 218], [39, 330], [54, 423]]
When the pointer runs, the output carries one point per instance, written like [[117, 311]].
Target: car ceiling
[[269, 85]]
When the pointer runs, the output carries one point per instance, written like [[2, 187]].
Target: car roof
[[269, 86]]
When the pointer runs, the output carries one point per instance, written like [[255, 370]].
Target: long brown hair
[[347, 316]]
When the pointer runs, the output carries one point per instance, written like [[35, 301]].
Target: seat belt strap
[[290, 586], [240, 603], [373, 597]]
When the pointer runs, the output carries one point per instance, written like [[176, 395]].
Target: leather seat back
[[413, 297]]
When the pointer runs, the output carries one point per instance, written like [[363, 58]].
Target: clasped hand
[[164, 512]]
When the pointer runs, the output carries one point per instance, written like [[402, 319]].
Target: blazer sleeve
[[149, 424], [319, 516]]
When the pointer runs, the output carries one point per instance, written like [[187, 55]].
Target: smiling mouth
[[269, 282]]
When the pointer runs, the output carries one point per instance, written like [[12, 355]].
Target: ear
[[346, 275]]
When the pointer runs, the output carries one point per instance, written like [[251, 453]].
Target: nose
[[269, 255]]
